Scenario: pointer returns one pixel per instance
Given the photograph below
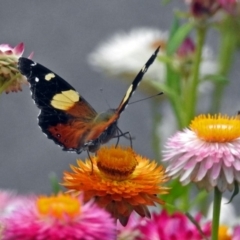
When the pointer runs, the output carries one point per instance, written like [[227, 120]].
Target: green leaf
[[178, 37], [217, 78], [174, 27], [177, 196]]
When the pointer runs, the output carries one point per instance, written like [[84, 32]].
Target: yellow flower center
[[217, 128], [223, 233], [58, 206], [116, 163]]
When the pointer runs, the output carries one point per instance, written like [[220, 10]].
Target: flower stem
[[226, 52], [192, 91], [216, 213]]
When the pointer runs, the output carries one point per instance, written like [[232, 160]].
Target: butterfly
[[65, 116]]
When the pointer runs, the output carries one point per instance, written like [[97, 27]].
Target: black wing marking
[[136, 82], [43, 92]]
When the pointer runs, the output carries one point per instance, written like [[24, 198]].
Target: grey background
[[62, 34]]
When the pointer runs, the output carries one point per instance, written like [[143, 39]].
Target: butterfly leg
[[127, 135]]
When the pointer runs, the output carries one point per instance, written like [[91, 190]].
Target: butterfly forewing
[[65, 116], [136, 82]]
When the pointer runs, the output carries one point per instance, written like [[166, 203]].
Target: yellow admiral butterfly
[[65, 116]]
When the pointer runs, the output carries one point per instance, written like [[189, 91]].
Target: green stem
[[156, 139], [226, 51], [216, 213], [191, 96]]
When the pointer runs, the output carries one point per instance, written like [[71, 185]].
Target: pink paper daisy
[[10, 201], [208, 153], [58, 217], [11, 79], [176, 226]]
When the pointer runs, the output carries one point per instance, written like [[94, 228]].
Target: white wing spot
[[33, 64], [144, 69], [129, 91], [36, 79]]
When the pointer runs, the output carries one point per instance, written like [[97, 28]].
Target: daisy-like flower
[[125, 52], [175, 226], [207, 153], [58, 217], [121, 182], [10, 78]]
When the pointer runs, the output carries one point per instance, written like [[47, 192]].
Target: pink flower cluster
[[11, 79], [165, 226], [207, 8]]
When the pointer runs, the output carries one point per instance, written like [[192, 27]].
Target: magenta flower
[[58, 217], [186, 48], [203, 8], [173, 227], [10, 78], [207, 8], [208, 153], [231, 6]]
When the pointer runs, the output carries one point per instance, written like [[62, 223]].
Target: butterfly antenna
[[101, 90], [146, 98]]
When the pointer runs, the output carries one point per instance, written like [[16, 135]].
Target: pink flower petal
[[19, 49], [228, 171]]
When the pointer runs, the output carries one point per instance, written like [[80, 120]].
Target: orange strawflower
[[121, 182]]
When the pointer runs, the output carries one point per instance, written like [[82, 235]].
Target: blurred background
[[62, 34]]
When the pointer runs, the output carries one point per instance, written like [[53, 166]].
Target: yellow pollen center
[[116, 163], [58, 206], [216, 128]]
